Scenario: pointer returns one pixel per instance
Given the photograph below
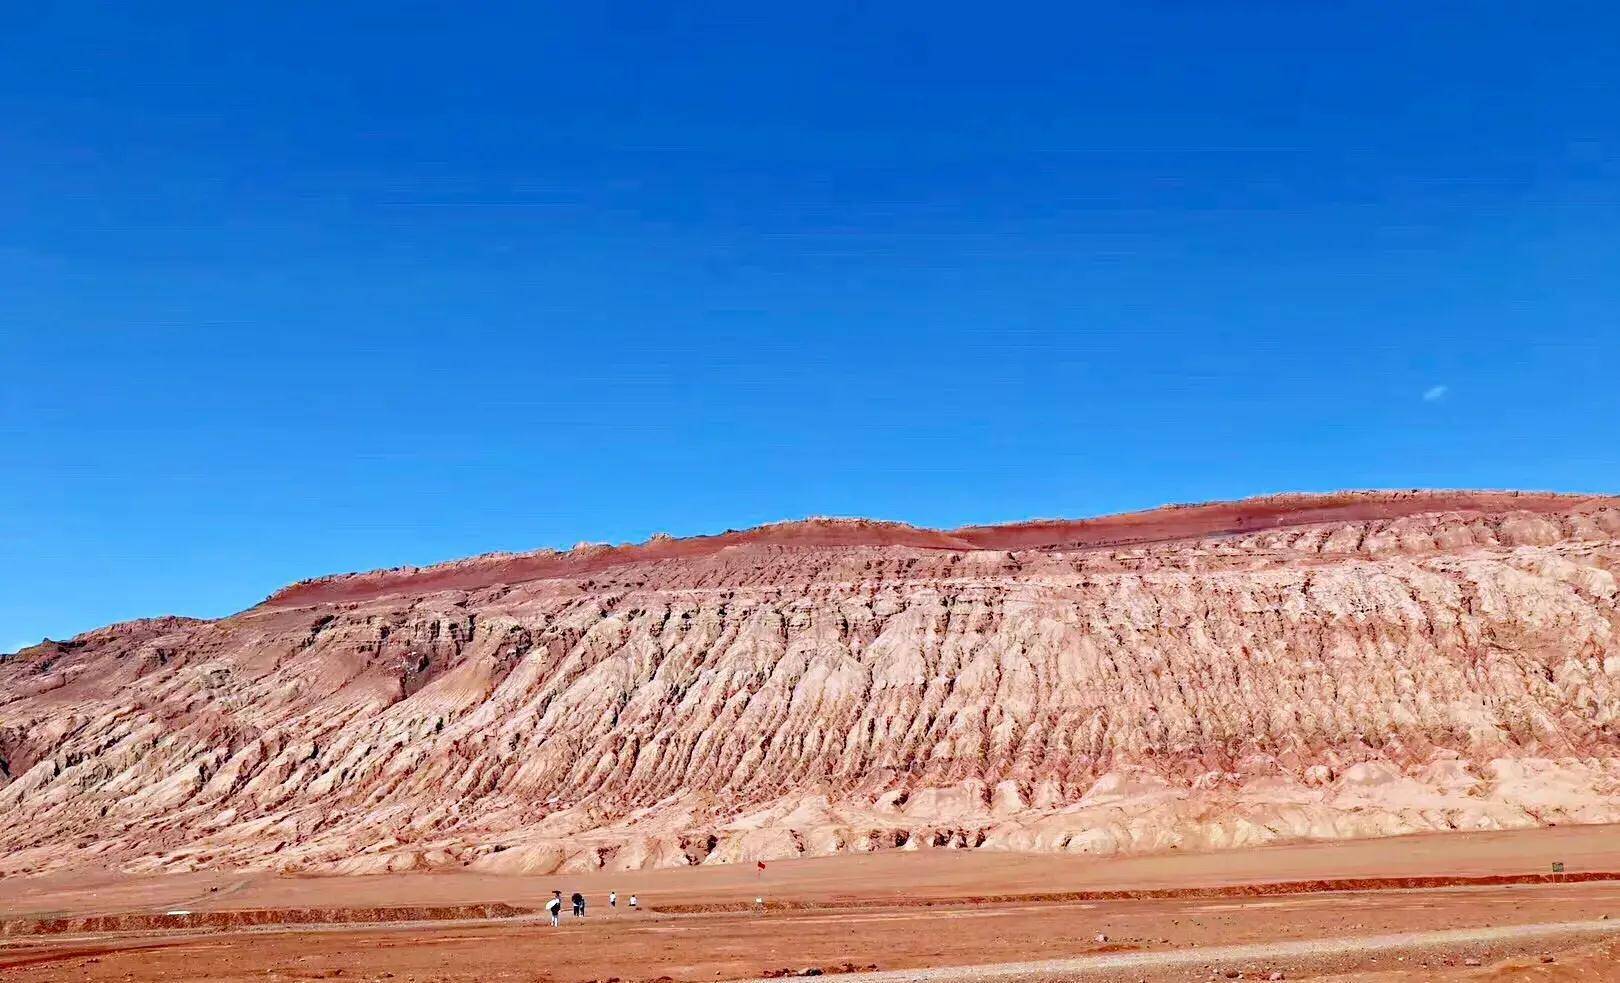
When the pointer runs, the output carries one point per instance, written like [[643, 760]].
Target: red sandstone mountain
[[1298, 666]]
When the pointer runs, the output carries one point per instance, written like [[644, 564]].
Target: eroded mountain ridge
[[1302, 666]]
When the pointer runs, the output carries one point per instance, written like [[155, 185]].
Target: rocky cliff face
[[1332, 666]]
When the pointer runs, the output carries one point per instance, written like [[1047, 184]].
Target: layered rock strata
[[1191, 677]]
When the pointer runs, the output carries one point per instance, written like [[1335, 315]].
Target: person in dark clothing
[[579, 905]]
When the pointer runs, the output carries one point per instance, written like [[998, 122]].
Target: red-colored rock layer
[[1166, 524], [1298, 666]]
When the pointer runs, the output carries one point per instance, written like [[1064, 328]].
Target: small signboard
[[1558, 867]]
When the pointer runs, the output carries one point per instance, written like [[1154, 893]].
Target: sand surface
[[919, 915]]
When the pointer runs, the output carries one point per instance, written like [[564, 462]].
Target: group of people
[[554, 906]]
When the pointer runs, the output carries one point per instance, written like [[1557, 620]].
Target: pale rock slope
[[1191, 677]]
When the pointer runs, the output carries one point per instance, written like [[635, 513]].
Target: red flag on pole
[[762, 865]]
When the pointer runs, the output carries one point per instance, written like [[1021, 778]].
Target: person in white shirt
[[613, 899], [554, 907], [632, 902]]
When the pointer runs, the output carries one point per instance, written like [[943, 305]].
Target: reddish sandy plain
[[1307, 911]]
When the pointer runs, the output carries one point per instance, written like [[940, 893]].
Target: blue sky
[[319, 287]]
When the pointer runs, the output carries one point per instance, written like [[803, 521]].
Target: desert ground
[[1399, 909]]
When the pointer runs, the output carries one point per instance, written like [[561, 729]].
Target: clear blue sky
[[295, 288]]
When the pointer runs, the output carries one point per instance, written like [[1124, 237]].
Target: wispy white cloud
[[1434, 394]]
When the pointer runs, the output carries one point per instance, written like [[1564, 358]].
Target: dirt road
[[1291, 959]]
